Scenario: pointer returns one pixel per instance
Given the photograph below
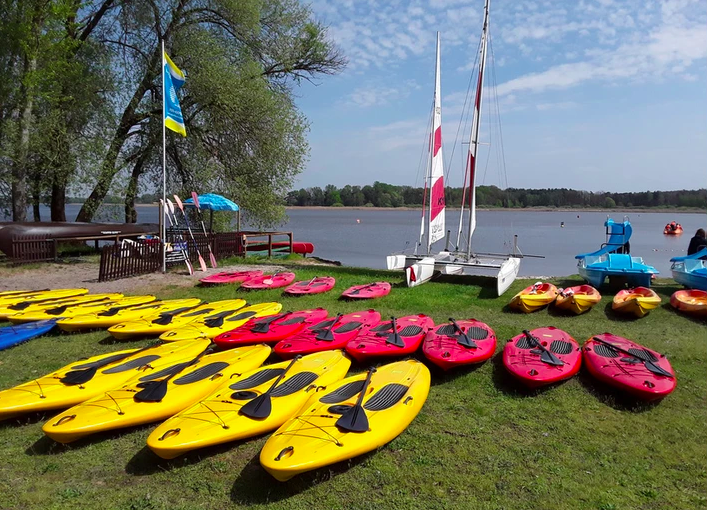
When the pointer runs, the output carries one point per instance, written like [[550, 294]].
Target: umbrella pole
[[211, 213]]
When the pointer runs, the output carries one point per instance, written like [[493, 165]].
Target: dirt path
[[83, 274]]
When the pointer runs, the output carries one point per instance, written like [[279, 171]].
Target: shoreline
[[689, 210]]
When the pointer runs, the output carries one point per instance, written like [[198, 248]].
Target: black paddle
[[355, 418], [546, 356], [216, 320], [394, 338], [327, 334], [115, 309], [260, 407], [357, 291], [263, 326], [462, 337], [155, 391], [86, 374], [167, 317], [650, 365]]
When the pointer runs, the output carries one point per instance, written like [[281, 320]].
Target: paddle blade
[[170, 206], [203, 266], [178, 202], [354, 420], [395, 339], [154, 391], [213, 260], [551, 359], [652, 367], [79, 376], [190, 269], [466, 341], [196, 200], [257, 408], [325, 335]]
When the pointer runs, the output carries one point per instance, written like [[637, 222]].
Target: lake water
[[337, 234]]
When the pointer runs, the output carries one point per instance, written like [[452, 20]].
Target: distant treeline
[[388, 195], [146, 198]]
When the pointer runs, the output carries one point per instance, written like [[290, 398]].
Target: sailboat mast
[[436, 176], [475, 130]]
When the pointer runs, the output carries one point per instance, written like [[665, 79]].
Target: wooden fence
[[33, 248], [132, 259]]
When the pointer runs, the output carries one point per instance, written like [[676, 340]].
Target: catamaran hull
[[395, 262], [419, 272]]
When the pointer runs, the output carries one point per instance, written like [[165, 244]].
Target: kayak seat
[[643, 354], [348, 326], [343, 393], [257, 379], [202, 373], [383, 327], [477, 333], [411, 331], [524, 343], [607, 352], [165, 372], [294, 384], [322, 325], [449, 329], [242, 316], [131, 365], [561, 347], [386, 397], [292, 320], [57, 311]]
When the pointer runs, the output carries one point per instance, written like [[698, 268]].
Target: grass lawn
[[480, 442]]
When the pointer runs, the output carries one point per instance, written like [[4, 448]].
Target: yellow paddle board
[[70, 310]]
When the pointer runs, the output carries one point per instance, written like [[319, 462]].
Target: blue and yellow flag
[[174, 79]]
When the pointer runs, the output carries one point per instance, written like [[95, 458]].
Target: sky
[[597, 95]]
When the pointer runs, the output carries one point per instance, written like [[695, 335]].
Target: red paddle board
[[313, 286], [270, 329], [332, 333], [368, 291], [269, 281], [524, 360], [380, 341], [626, 372], [446, 348], [230, 277]]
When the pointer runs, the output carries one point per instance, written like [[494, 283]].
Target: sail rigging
[[437, 205]]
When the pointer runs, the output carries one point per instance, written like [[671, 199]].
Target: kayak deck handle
[[64, 419], [169, 433], [286, 452]]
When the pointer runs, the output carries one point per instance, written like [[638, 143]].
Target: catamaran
[[420, 269]]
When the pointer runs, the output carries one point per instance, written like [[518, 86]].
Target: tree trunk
[[132, 190], [19, 168], [59, 201]]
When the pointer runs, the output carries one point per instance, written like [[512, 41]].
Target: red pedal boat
[[315, 285], [542, 356], [270, 329], [332, 333], [368, 291], [269, 281], [391, 338], [631, 367], [457, 343], [230, 277]]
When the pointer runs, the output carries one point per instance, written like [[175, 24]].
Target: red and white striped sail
[[437, 203]]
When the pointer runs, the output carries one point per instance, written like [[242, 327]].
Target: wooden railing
[[132, 259]]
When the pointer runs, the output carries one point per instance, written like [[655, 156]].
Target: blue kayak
[[13, 335]]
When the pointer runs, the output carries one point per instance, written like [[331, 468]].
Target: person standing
[[698, 242]]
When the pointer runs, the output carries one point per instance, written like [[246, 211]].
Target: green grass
[[480, 442]]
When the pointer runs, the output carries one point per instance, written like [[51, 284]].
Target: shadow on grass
[[698, 319], [441, 376], [255, 486], [125, 343], [25, 419], [47, 446], [613, 397], [612, 315]]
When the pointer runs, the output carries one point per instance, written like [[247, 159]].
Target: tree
[[609, 203]]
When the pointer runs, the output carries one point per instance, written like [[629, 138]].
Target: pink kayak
[[368, 291], [314, 286], [269, 281], [464, 342], [230, 277]]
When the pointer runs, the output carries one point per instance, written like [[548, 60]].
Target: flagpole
[[162, 73]]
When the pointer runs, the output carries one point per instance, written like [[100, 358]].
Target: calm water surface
[[337, 234]]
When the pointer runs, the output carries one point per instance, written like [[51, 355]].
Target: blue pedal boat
[[692, 270], [613, 259]]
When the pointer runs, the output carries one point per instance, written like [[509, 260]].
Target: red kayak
[[631, 367], [391, 338], [542, 356], [368, 291], [270, 329], [457, 343], [269, 281], [230, 277], [313, 286], [332, 333]]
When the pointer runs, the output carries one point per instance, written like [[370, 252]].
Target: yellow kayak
[[162, 322], [116, 315], [18, 293], [26, 313], [534, 297], [122, 407], [66, 311], [111, 370], [313, 438], [219, 418], [638, 301], [577, 299], [209, 326], [38, 296]]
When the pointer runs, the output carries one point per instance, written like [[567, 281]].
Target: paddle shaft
[[170, 213], [624, 351], [556, 361], [203, 266], [195, 198]]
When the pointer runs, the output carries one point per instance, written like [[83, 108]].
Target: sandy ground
[[84, 274]]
